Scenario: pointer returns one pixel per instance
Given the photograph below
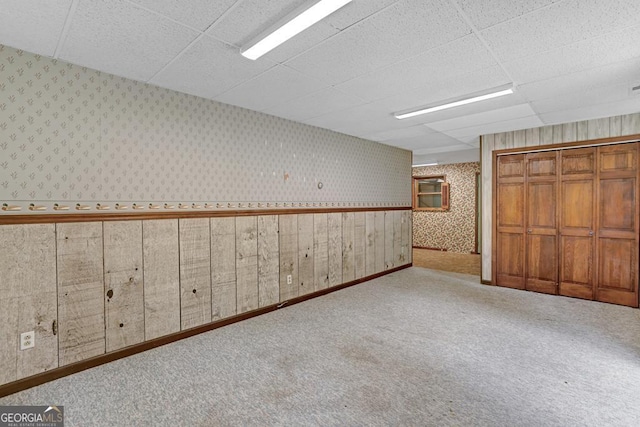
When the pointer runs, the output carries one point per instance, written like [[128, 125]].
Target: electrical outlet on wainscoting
[[27, 340], [289, 279]]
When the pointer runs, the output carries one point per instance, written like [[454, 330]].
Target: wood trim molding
[[73, 368], [131, 216], [486, 282], [430, 249], [584, 143]]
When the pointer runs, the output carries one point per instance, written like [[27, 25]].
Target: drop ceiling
[[568, 60]]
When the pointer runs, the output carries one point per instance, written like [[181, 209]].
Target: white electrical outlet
[[289, 279], [27, 340]]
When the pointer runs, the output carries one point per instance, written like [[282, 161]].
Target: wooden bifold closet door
[[567, 222]]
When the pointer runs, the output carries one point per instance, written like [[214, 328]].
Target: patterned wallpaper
[[453, 230], [75, 135]]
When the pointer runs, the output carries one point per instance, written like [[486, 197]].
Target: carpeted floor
[[415, 348]]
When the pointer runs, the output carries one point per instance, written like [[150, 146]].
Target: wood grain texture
[[405, 233], [630, 124], [161, 257], [320, 252], [223, 268], [268, 261], [81, 332], [379, 241], [582, 128], [546, 135], [370, 244], [195, 272], [123, 284], [486, 172], [289, 257], [598, 128], [247, 263], [532, 138], [348, 237], [359, 243], [569, 132], [398, 250], [334, 227], [305, 254], [389, 239], [27, 299]]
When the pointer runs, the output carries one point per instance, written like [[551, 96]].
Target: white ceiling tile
[[380, 41], [559, 25], [34, 26], [498, 126], [355, 12], [199, 14], [122, 39], [588, 112], [314, 105], [434, 68], [586, 96], [487, 13], [483, 118], [408, 132], [209, 68], [442, 149], [607, 75], [617, 46], [275, 86], [462, 155], [426, 142], [441, 90], [250, 18]]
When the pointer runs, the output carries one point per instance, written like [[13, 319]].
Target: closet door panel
[[577, 223], [617, 233]]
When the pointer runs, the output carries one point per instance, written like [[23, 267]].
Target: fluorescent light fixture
[[294, 26], [425, 164], [454, 104]]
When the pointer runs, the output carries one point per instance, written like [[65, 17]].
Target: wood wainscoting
[[96, 287]]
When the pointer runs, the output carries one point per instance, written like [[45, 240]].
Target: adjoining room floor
[[447, 261], [417, 347]]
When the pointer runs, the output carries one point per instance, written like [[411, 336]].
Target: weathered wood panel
[[558, 134], [348, 257], [334, 228], [405, 232], [487, 197], [370, 244], [379, 241], [80, 291], [268, 261], [320, 251], [598, 128], [289, 284], [532, 138], [398, 250], [223, 267], [389, 239], [359, 243], [583, 130], [161, 256], [247, 263], [27, 299], [123, 284], [546, 135], [630, 124], [195, 272], [305, 254], [570, 132]]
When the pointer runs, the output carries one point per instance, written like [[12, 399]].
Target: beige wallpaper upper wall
[[73, 134]]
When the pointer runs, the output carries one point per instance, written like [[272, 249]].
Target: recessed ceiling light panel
[[293, 26]]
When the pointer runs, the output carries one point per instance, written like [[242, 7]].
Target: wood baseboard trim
[[486, 282], [73, 368], [431, 249]]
